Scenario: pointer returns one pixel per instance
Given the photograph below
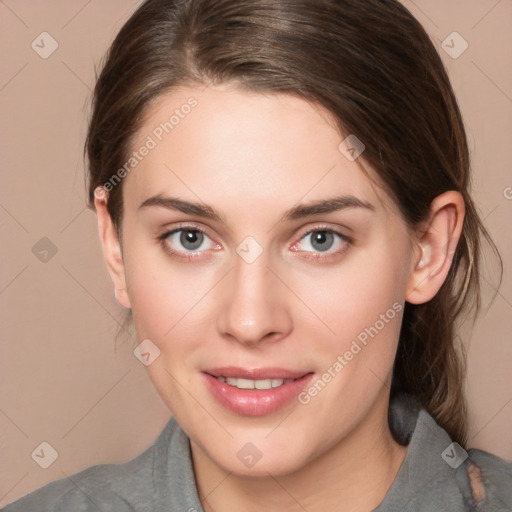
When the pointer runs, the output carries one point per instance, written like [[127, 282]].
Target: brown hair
[[372, 65]]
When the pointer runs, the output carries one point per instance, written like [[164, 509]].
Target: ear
[[111, 247], [436, 241]]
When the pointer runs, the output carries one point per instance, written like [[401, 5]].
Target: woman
[[282, 199]]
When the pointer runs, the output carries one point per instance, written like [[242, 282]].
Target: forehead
[[235, 147]]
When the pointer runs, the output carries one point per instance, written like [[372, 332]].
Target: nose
[[254, 307]]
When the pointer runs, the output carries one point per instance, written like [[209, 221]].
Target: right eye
[[194, 241]]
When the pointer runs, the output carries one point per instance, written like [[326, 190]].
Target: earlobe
[[111, 249], [122, 297], [436, 242]]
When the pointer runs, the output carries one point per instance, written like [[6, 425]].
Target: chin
[[278, 457]]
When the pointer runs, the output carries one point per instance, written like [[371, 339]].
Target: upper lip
[[255, 373]]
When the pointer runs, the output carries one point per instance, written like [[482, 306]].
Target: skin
[[251, 157]]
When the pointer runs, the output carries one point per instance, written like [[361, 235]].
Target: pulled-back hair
[[373, 67]]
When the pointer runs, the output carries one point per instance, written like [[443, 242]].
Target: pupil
[[191, 239], [322, 240]]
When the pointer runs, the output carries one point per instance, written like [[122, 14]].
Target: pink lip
[[255, 402], [256, 373]]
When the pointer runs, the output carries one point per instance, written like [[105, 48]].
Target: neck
[[357, 472]]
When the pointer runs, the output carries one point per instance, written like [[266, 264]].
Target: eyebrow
[[297, 212]]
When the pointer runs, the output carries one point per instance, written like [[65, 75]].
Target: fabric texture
[[436, 475]]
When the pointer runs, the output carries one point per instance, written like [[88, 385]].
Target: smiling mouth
[[255, 391]]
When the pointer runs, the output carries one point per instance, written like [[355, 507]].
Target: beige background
[[62, 381]]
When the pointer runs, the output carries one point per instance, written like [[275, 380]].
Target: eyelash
[[193, 255], [327, 256]]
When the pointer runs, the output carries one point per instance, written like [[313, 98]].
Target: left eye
[[321, 241], [189, 239]]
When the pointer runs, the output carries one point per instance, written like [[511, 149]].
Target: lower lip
[[255, 402]]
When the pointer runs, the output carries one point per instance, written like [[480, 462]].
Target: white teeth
[[254, 384], [245, 383], [265, 384]]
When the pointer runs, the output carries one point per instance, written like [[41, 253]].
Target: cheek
[[358, 307], [341, 301], [161, 292]]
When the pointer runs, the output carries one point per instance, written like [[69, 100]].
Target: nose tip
[[254, 307], [251, 322]]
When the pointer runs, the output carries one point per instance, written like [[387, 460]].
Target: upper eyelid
[[171, 231], [194, 227], [185, 227], [325, 228]]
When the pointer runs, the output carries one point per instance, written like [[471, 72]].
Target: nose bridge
[[254, 308]]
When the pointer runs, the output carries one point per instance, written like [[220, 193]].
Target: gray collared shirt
[[435, 476]]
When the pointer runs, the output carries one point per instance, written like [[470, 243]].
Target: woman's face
[[269, 258]]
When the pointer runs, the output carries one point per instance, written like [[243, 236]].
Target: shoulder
[[438, 474], [486, 481], [124, 487]]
